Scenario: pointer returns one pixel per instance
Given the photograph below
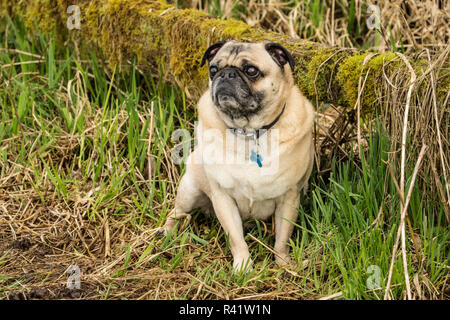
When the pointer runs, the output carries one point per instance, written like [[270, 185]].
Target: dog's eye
[[251, 71], [212, 71]]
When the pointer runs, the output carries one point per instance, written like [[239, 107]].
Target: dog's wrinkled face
[[248, 79]]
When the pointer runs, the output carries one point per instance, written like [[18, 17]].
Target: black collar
[[256, 133]]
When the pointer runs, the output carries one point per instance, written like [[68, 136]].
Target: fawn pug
[[253, 96]]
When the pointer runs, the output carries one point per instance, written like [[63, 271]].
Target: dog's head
[[248, 79]]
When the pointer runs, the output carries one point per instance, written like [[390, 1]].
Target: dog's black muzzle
[[229, 89]]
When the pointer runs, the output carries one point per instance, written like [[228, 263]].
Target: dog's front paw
[[283, 261], [242, 264]]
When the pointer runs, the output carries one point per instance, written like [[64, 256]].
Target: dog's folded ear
[[211, 51], [280, 54]]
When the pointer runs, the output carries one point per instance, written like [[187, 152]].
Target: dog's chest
[[252, 173], [248, 180], [254, 194], [253, 191]]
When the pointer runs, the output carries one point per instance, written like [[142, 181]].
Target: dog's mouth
[[227, 100], [234, 98]]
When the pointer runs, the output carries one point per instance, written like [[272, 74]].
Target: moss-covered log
[[160, 35]]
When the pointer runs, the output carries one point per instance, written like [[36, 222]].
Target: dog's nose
[[230, 73]]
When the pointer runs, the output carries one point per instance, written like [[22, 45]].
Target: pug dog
[[251, 97]]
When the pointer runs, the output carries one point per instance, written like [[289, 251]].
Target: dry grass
[[412, 25]]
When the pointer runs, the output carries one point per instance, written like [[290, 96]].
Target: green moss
[[443, 88], [350, 71], [315, 73], [189, 32]]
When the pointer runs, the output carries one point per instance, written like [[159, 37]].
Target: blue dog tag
[[254, 157]]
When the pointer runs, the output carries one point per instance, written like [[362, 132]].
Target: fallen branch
[[160, 36]]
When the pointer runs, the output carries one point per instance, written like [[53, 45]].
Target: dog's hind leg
[[188, 197], [285, 217]]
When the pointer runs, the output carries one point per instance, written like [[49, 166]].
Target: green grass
[[75, 136]]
